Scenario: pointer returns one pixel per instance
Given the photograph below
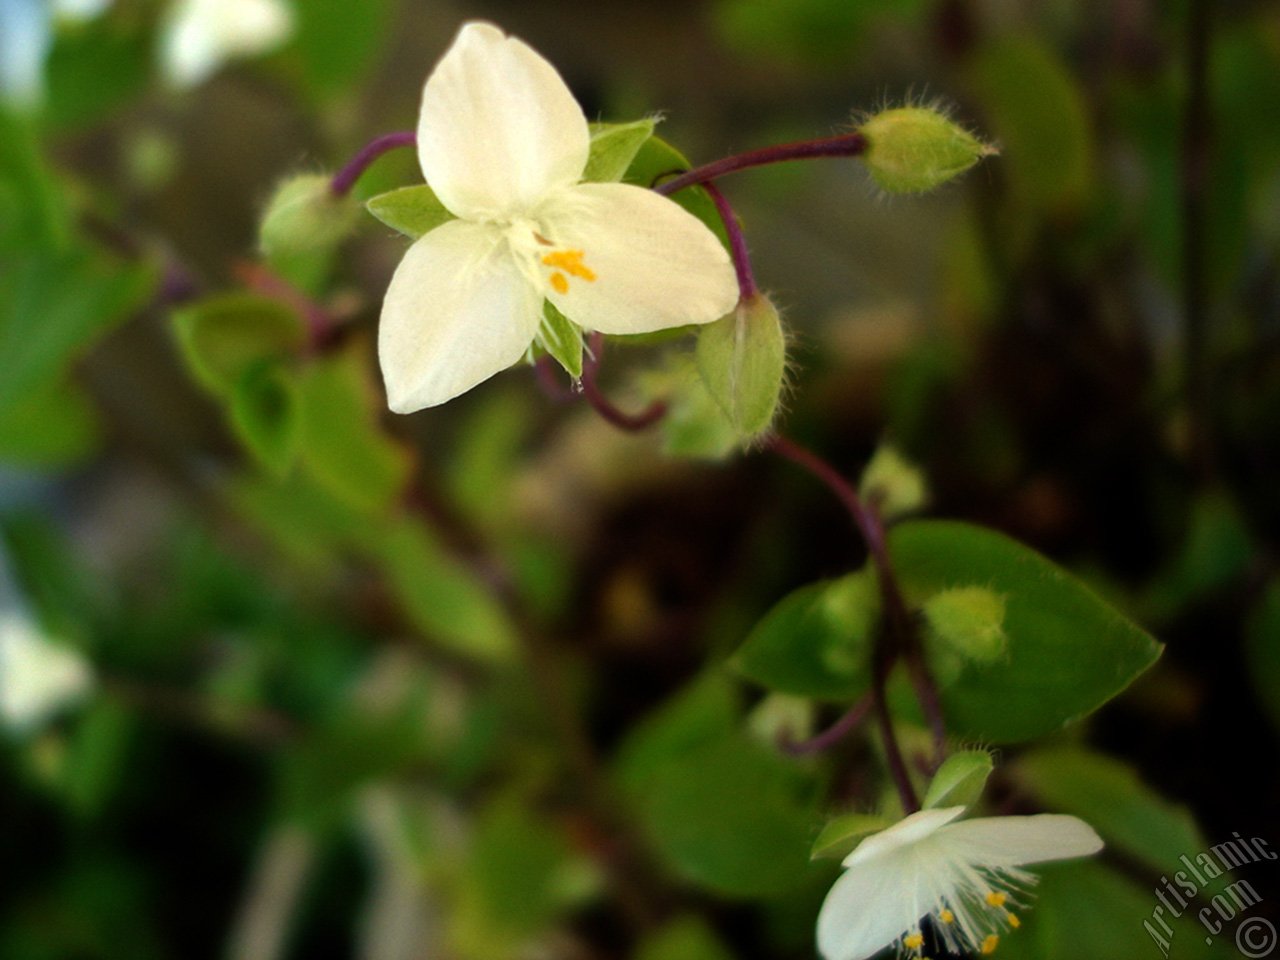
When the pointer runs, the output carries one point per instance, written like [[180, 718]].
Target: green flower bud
[[914, 149], [304, 216], [742, 358], [970, 620], [893, 485]]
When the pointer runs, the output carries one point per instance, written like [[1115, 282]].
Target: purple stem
[[346, 178], [834, 733], [846, 145], [737, 242], [602, 405]]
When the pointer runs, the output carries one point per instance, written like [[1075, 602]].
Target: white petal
[[870, 906], [201, 34], [1011, 841], [457, 311], [498, 128], [656, 265], [909, 829]]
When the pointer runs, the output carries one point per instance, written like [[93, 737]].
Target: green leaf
[[657, 160], [224, 337], [337, 41], [730, 816], [34, 209], [685, 938], [446, 600], [1107, 794], [412, 211], [96, 761], [341, 442], [1069, 652], [53, 309], [264, 413], [842, 835], [694, 426], [54, 424], [562, 338], [514, 884], [742, 358], [960, 780], [817, 641], [95, 69], [613, 148], [1041, 120]]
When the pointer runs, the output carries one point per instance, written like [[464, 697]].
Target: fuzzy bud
[[305, 215], [914, 149]]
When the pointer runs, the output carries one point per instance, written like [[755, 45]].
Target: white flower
[[965, 877], [200, 34], [503, 144], [38, 678]]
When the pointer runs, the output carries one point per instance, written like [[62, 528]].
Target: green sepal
[[960, 780], [613, 147], [842, 835], [742, 359], [412, 211], [562, 338]]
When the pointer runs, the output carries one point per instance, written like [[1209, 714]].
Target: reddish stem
[[846, 145], [632, 423], [346, 178], [737, 242], [834, 733]]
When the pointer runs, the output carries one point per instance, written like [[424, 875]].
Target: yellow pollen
[[913, 941], [996, 899], [946, 916], [570, 261], [989, 944], [559, 284], [1013, 921]]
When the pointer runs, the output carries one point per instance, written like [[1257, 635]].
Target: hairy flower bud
[[305, 215], [914, 149]]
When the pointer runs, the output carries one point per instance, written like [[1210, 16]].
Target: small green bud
[[914, 149], [304, 215], [895, 486], [782, 717], [742, 358], [970, 620], [960, 780]]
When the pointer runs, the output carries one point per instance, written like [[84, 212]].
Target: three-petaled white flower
[[965, 877], [503, 144]]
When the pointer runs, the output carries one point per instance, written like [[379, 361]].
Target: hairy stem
[[737, 242]]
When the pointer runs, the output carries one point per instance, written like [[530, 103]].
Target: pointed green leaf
[[51, 425], [562, 338], [842, 835], [960, 780], [411, 210], [817, 641], [224, 337], [342, 443], [613, 147], [1068, 652], [264, 413]]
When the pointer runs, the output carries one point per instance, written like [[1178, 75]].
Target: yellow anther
[[559, 284], [989, 944], [946, 916], [1013, 921], [996, 899], [913, 941], [570, 261]]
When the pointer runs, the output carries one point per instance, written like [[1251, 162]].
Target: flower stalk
[[346, 178], [846, 145]]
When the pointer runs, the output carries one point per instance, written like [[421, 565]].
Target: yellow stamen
[[570, 261], [989, 944], [559, 284], [1013, 921], [996, 899], [913, 941], [946, 916]]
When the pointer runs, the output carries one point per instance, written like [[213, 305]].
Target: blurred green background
[[404, 688]]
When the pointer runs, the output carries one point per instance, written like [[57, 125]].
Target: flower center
[[971, 923], [569, 261]]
